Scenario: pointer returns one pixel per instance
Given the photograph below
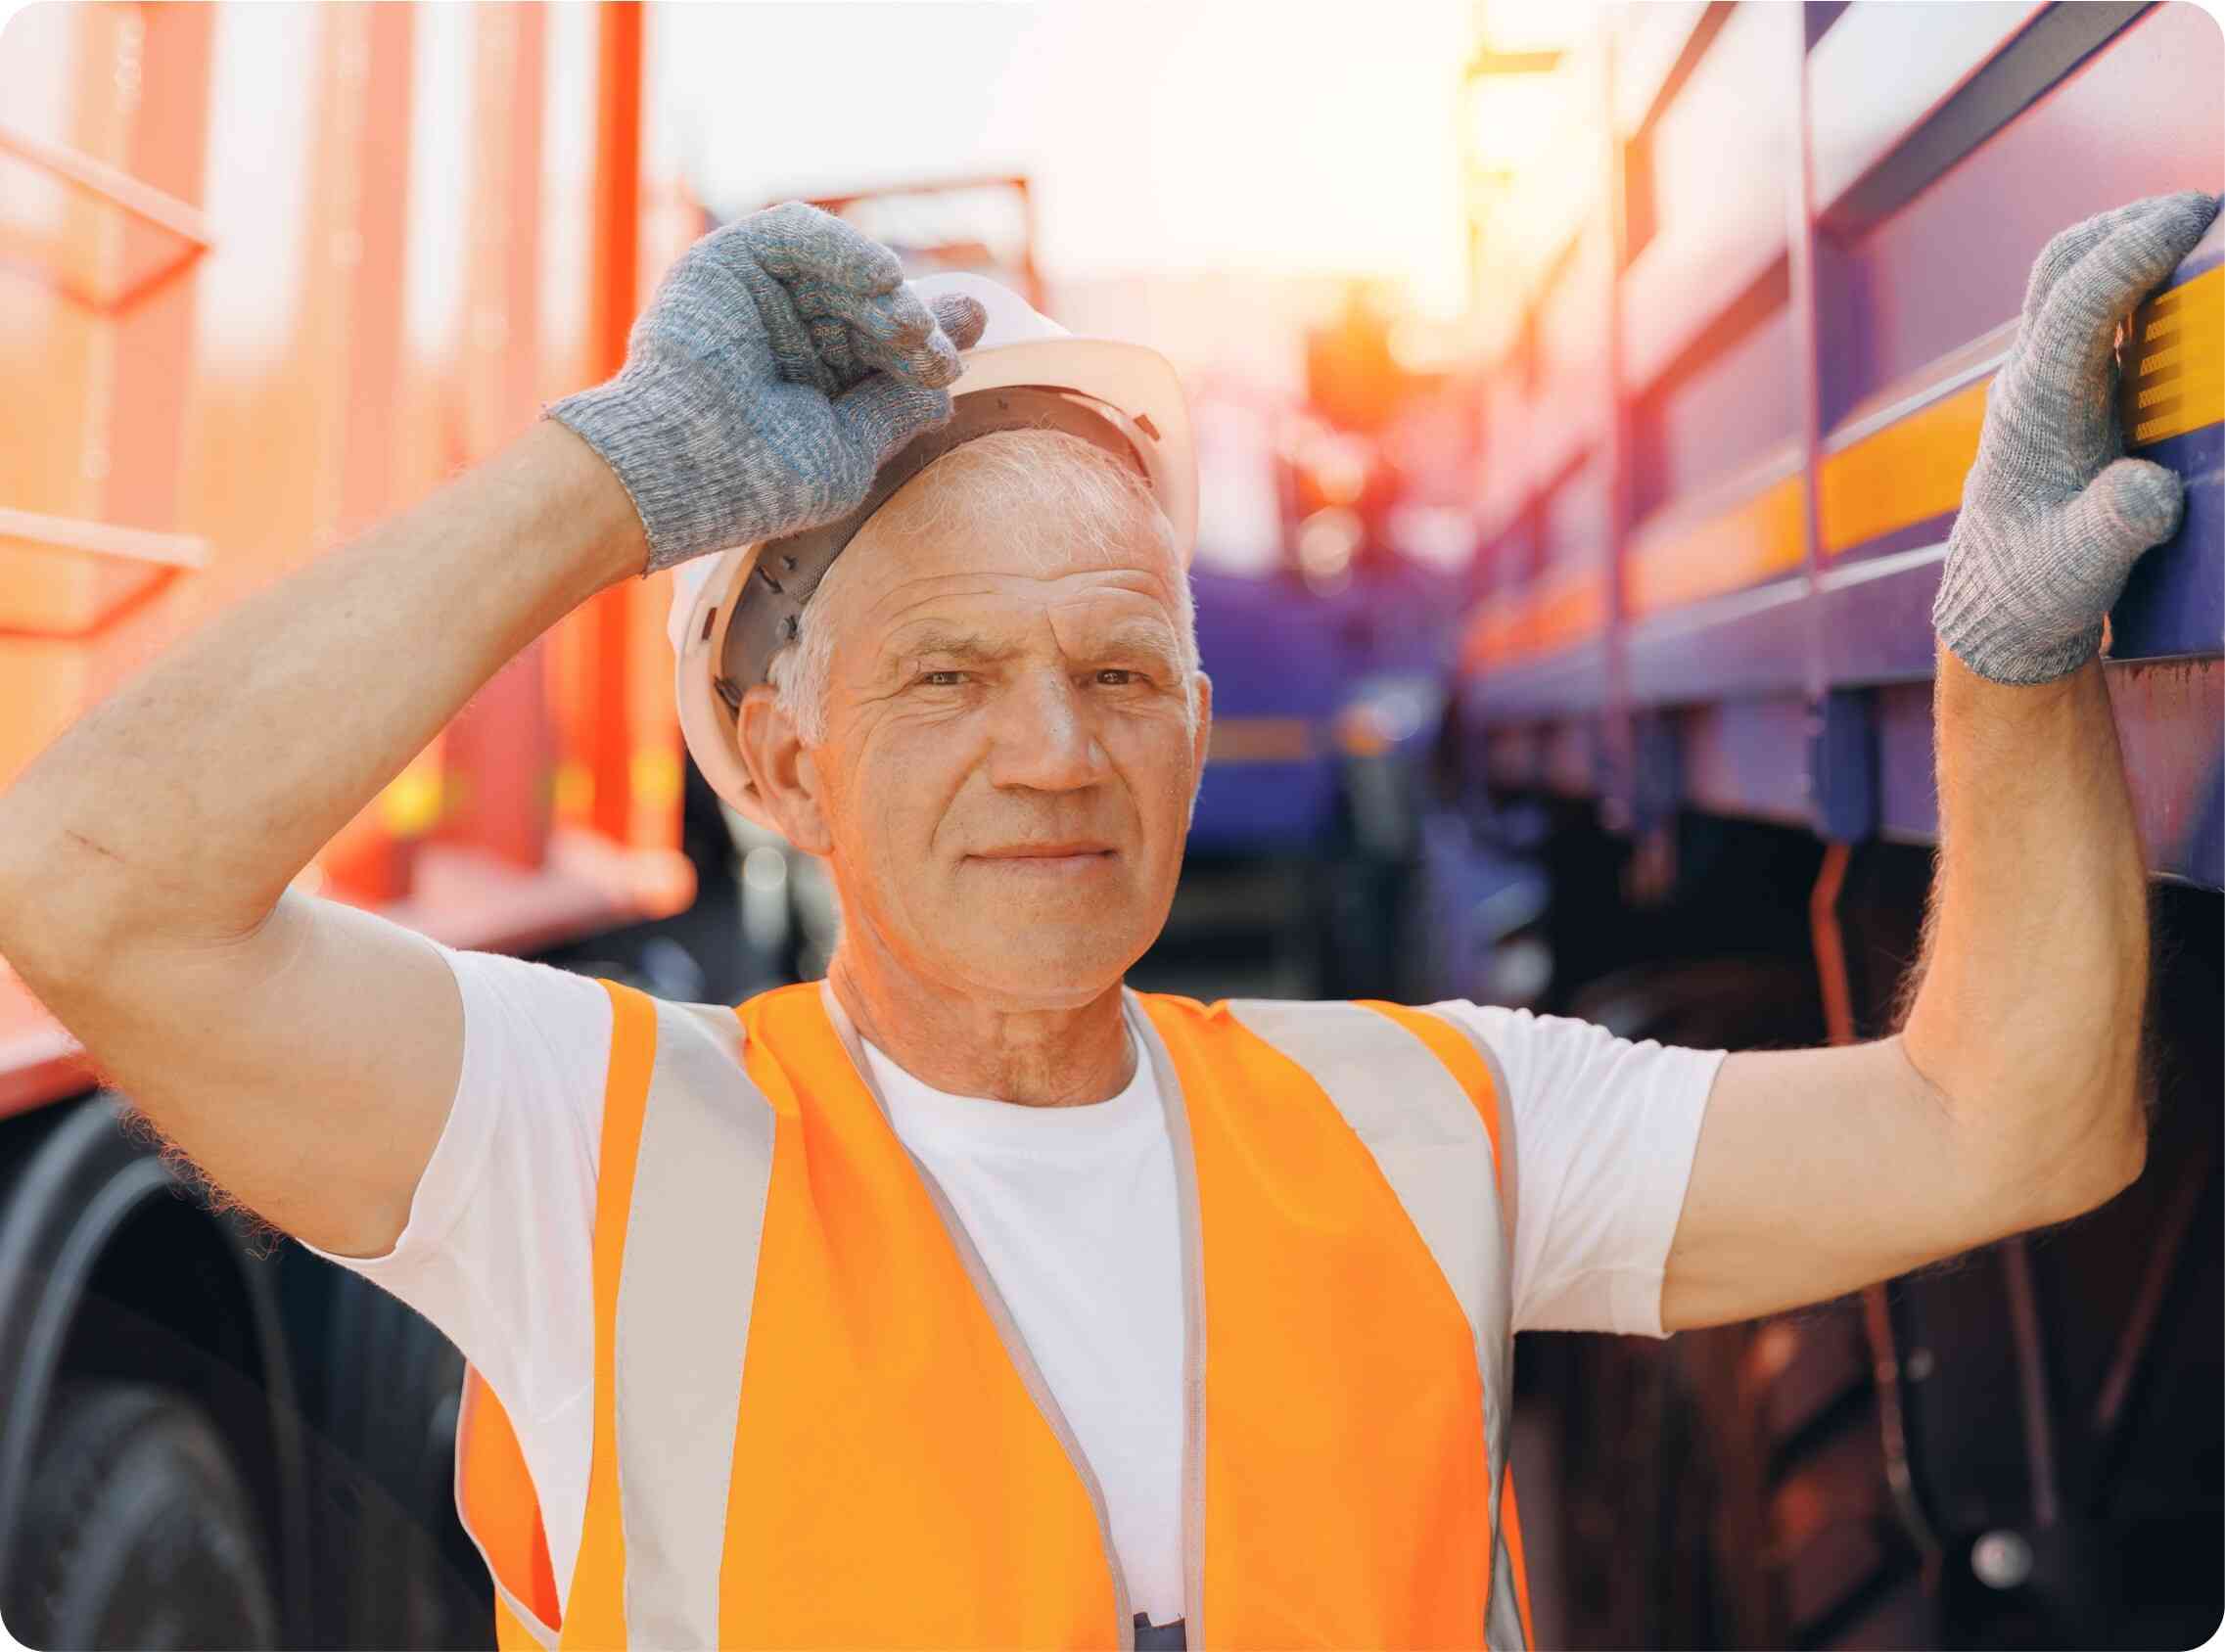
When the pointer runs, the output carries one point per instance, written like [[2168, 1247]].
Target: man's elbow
[[2046, 1151], [2106, 1159], [2127, 1153], [46, 928]]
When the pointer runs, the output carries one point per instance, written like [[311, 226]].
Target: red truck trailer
[[270, 273]]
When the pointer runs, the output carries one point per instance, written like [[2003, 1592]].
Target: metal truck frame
[[1743, 376]]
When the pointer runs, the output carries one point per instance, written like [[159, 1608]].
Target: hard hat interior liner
[[787, 572]]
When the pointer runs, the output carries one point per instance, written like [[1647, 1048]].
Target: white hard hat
[[1027, 372]]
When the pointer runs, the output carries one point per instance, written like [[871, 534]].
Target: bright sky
[[1279, 136]]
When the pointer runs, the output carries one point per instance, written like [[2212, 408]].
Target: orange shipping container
[[273, 272]]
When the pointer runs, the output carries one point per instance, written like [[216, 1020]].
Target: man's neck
[[952, 1041]]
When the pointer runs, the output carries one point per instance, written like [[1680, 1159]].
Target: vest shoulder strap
[[687, 1158], [1476, 1067]]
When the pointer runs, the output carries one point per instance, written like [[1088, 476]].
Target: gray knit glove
[[2053, 514], [782, 361]]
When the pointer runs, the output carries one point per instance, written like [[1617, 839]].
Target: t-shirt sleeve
[[1605, 1131], [496, 1251]]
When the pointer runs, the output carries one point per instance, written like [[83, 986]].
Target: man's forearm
[[184, 804], [2029, 1016]]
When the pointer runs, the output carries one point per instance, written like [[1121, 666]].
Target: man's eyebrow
[[943, 642], [1144, 636]]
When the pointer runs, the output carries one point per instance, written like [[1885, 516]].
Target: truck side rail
[[1721, 598]]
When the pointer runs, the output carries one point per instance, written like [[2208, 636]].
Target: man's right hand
[[782, 361]]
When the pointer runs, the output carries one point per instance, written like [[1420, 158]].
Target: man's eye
[[942, 679], [1116, 676]]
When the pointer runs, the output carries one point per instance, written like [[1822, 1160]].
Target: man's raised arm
[[2012, 1094], [306, 1053]]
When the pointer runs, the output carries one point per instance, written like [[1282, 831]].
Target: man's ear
[[781, 768], [1202, 736]]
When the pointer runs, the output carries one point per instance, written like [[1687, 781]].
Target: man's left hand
[[2053, 516]]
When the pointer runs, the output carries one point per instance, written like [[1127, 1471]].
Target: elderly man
[[964, 1297]]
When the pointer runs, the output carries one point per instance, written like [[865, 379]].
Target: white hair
[[1023, 481]]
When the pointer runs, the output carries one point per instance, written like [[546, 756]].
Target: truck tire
[[1727, 1488], [395, 1568], [139, 1531]]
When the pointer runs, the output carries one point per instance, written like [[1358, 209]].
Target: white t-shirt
[[1072, 1210]]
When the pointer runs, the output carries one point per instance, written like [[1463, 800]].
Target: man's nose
[[1043, 738]]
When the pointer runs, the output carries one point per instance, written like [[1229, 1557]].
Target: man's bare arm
[[303, 1052], [2011, 1096]]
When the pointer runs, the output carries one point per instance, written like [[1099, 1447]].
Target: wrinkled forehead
[[1004, 526]]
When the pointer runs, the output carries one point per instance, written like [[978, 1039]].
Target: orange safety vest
[[887, 1467]]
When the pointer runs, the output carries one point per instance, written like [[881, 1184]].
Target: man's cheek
[[904, 819]]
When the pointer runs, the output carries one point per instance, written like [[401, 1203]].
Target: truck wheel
[[394, 1566], [138, 1531]]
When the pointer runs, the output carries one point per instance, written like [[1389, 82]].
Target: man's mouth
[[1075, 854]]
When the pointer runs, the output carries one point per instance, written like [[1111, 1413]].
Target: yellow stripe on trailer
[[1562, 610], [1906, 473], [2173, 381], [2174, 362], [1749, 543], [1259, 740], [1909, 472]]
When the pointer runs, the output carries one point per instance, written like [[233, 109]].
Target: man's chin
[[1029, 976]]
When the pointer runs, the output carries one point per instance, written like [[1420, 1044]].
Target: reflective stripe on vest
[[816, 1424]]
